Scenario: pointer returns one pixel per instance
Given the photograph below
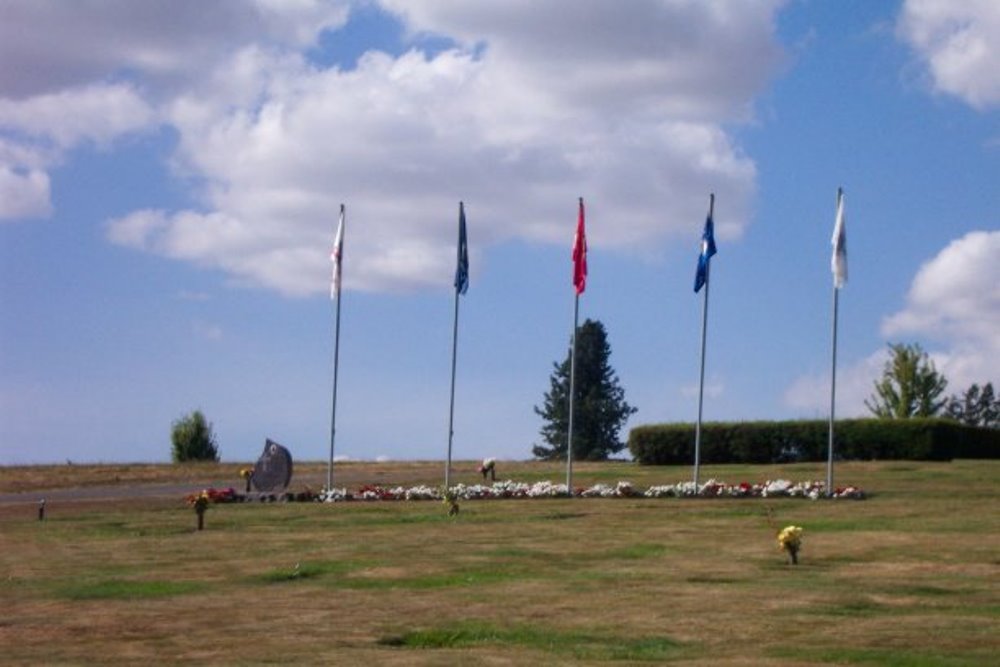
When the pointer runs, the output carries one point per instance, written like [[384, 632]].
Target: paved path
[[115, 492], [127, 491]]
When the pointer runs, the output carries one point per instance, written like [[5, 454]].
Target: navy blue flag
[[707, 250], [462, 271]]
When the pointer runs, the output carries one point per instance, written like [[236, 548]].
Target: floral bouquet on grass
[[199, 501], [790, 539], [450, 498]]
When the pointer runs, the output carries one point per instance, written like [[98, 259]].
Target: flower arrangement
[[212, 495], [620, 490], [200, 503], [247, 475], [790, 540], [333, 495], [450, 498], [623, 489], [545, 489]]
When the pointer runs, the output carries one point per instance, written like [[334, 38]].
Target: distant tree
[[976, 407], [193, 439], [600, 410], [909, 387]]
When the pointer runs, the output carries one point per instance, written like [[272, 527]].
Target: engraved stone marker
[[273, 471]]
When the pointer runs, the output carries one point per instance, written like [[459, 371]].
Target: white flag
[[838, 263], [336, 256]]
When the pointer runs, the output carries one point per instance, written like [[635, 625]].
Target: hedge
[[806, 440]]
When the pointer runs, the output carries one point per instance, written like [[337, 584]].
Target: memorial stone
[[273, 471]]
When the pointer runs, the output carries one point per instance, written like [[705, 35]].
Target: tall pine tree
[[600, 410]]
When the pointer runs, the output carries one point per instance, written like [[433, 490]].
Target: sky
[[171, 173]]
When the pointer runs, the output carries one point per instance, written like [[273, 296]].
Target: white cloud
[[78, 72], [50, 45], [23, 193], [955, 300], [960, 43], [98, 113], [35, 133], [954, 304], [539, 103]]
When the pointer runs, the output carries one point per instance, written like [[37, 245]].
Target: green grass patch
[[884, 657], [578, 644], [855, 608], [306, 570], [126, 589], [467, 578]]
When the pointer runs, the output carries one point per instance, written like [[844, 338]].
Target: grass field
[[910, 576]]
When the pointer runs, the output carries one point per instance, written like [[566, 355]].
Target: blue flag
[[707, 250], [462, 270]]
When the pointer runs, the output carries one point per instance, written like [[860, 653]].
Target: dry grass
[[908, 577]]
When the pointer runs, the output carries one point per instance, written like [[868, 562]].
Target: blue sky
[[170, 177]]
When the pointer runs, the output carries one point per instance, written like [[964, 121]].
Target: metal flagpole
[[451, 413], [701, 381], [833, 396], [839, 266], [461, 285], [579, 284], [338, 250], [704, 332], [572, 398]]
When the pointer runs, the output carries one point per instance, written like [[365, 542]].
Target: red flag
[[580, 255]]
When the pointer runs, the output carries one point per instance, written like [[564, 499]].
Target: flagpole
[[336, 369], [838, 231], [451, 413], [461, 285], [833, 396], [704, 332], [572, 397]]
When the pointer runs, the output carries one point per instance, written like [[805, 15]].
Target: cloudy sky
[[171, 172]]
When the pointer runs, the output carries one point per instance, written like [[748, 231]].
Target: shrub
[[193, 439], [806, 440]]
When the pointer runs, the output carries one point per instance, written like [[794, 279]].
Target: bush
[[193, 439], [806, 440]]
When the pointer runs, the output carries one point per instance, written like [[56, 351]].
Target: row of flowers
[[769, 489], [511, 489], [545, 489], [213, 496]]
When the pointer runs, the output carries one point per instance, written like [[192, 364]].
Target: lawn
[[910, 576]]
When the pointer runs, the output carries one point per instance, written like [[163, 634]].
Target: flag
[[462, 270], [336, 256], [838, 262], [707, 250], [580, 254]]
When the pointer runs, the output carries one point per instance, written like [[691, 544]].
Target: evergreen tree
[[600, 410], [193, 439], [910, 385], [976, 407]]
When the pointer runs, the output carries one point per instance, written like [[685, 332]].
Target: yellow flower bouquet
[[790, 539]]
